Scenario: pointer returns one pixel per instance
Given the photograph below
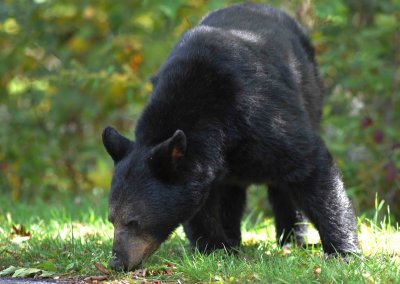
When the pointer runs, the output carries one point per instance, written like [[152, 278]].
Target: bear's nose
[[117, 264]]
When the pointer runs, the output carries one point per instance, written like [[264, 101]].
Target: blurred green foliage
[[70, 67]]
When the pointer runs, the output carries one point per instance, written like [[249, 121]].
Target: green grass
[[67, 239]]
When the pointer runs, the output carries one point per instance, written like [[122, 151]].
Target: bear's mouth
[[143, 249]]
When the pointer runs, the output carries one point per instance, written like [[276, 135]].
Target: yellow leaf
[[11, 26], [100, 176], [145, 21], [89, 12], [148, 87], [44, 106], [183, 26], [78, 44]]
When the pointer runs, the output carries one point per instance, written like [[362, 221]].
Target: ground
[[73, 243]]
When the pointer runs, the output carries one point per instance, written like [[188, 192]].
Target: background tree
[[69, 68]]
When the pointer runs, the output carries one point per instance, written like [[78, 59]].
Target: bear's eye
[[133, 224]]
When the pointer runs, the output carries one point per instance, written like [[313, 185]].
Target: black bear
[[238, 101]]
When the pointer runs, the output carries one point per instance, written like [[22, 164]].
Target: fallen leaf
[[286, 250], [20, 232], [46, 274], [169, 271], [166, 269], [25, 272], [317, 270], [100, 267], [8, 271], [138, 273], [95, 278], [19, 239]]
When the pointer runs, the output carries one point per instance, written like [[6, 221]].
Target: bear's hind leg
[[233, 201], [217, 224], [290, 222]]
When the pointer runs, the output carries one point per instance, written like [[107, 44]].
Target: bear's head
[[148, 198]]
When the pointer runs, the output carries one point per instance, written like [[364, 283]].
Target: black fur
[[244, 90]]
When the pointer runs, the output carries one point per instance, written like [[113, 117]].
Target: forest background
[[70, 68]]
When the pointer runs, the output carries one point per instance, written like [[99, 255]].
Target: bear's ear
[[167, 155], [116, 145]]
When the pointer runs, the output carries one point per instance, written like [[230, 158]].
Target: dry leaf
[[95, 278], [19, 232], [286, 250], [100, 267], [138, 273], [135, 62], [169, 271], [317, 270]]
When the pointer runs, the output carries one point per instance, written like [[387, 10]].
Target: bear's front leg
[[323, 198], [217, 224]]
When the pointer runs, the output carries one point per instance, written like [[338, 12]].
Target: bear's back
[[262, 20], [277, 37], [231, 64]]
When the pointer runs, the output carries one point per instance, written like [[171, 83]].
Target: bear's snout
[[116, 264], [130, 251]]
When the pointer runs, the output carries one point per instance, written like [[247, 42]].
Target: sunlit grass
[[69, 241]]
